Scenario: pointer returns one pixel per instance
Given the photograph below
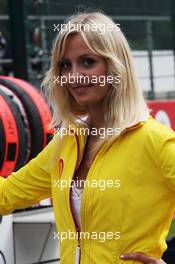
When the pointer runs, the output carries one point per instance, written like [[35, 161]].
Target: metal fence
[[38, 57]]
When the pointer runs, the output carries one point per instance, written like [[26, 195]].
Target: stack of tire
[[24, 120]]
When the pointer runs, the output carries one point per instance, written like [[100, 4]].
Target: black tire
[[34, 119], [22, 136], [24, 151], [2, 143]]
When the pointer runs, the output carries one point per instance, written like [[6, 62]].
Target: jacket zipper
[[78, 248], [79, 158]]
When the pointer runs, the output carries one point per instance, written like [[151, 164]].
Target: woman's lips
[[81, 89]]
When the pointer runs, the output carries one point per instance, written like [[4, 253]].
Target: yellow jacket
[[141, 208]]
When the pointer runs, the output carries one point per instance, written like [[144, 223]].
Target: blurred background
[[27, 32], [26, 36]]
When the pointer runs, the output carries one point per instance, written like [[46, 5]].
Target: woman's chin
[[83, 100]]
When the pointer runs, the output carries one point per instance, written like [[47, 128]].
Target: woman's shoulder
[[155, 134], [157, 129]]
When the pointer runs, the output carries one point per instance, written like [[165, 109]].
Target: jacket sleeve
[[29, 184], [167, 159]]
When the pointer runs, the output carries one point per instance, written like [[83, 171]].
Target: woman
[[110, 157]]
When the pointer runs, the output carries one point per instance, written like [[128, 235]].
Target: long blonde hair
[[124, 103]]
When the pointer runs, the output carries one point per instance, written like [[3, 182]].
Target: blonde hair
[[124, 103]]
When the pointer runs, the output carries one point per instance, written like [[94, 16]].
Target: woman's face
[[80, 67]]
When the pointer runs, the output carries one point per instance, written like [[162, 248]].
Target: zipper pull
[[78, 253]]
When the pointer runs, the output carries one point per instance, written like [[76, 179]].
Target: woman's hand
[[142, 258]]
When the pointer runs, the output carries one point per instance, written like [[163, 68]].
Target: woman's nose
[[74, 75], [74, 71]]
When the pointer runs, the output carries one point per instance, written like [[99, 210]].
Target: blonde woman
[[110, 167]]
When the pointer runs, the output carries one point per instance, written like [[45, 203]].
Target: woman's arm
[[166, 159], [29, 184], [141, 258]]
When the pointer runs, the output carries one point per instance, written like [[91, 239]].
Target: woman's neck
[[96, 116]]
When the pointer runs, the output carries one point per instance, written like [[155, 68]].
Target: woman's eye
[[65, 65], [88, 61]]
